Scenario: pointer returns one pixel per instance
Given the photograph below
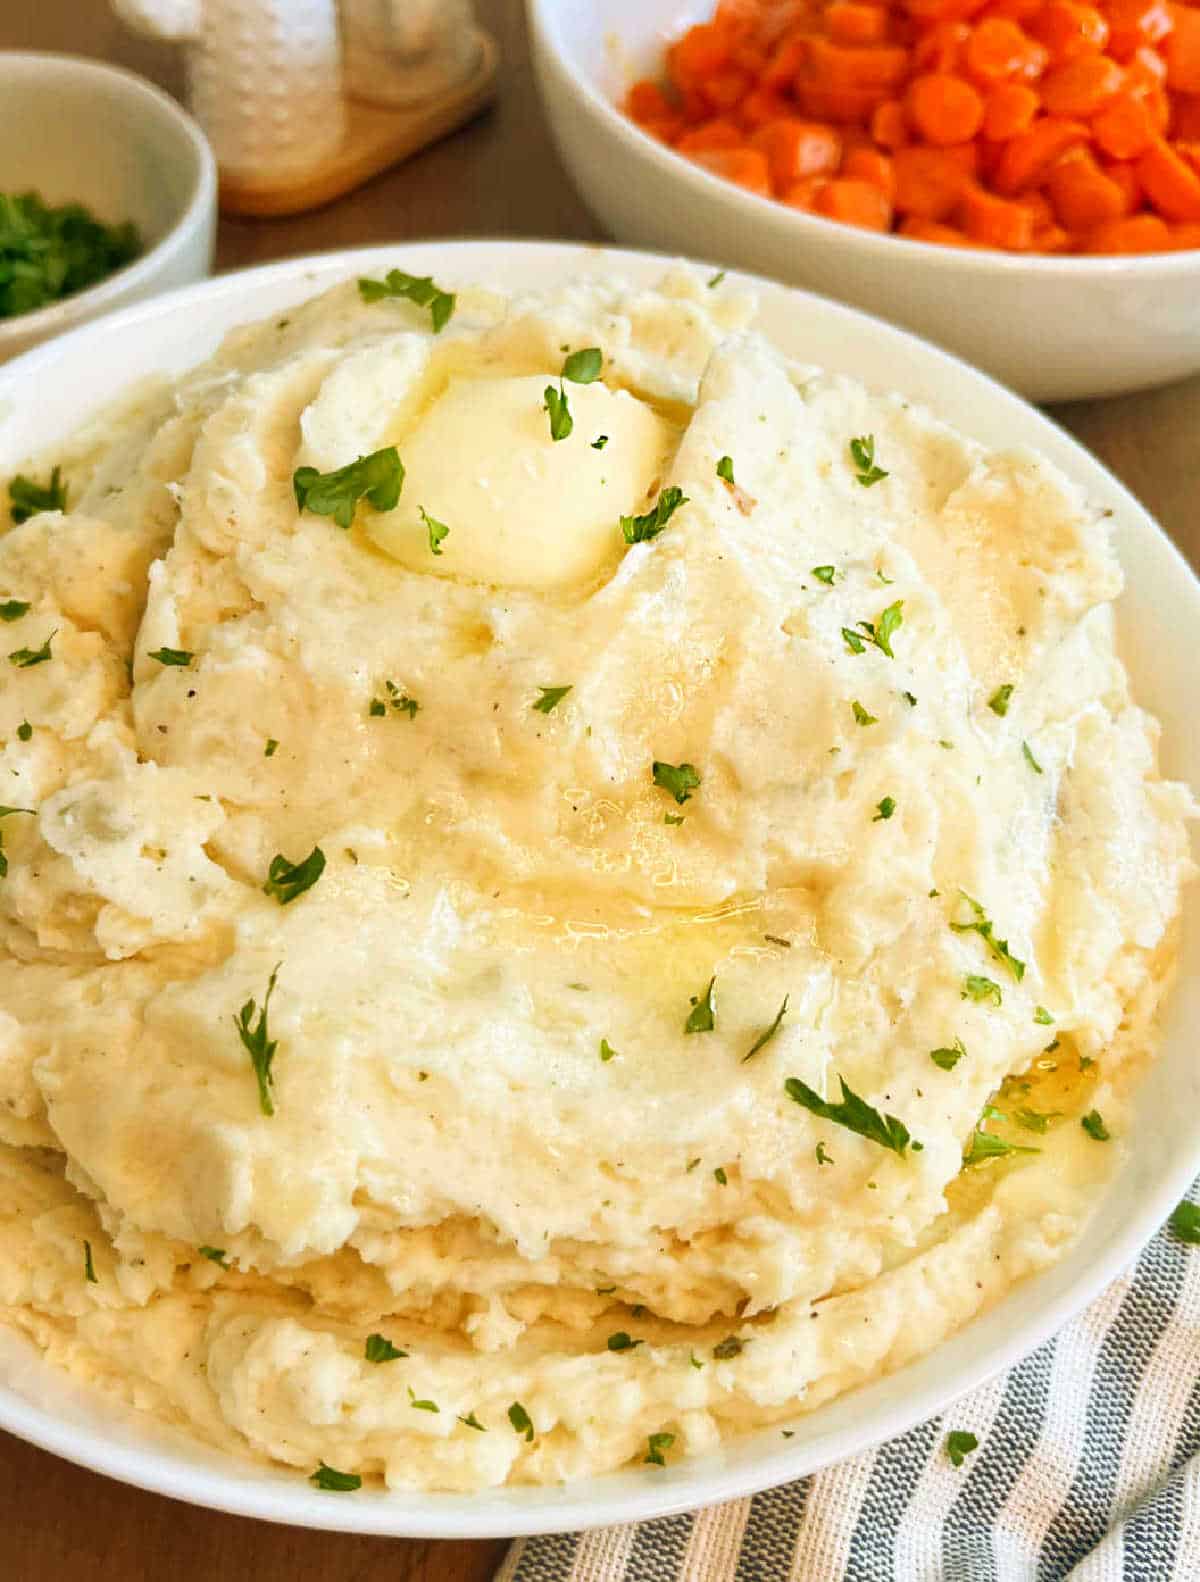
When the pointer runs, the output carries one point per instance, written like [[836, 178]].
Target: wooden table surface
[[497, 176]]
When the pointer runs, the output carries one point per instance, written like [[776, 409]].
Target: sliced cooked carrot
[[1068, 29], [1182, 50], [1145, 69], [846, 66], [1081, 86], [855, 203], [786, 61], [926, 11], [1014, 10], [1008, 110], [853, 22], [1185, 237], [929, 182], [796, 148], [997, 221], [999, 50], [747, 167], [1170, 183], [647, 102], [1124, 127], [724, 89], [700, 52], [944, 109], [1133, 23], [919, 230], [1028, 158], [1137, 233], [868, 164], [709, 135], [1124, 174], [1185, 116], [1083, 196], [889, 124], [833, 102], [942, 47], [762, 105], [804, 194]]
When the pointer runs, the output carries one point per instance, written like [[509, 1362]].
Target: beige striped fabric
[[1088, 1470]]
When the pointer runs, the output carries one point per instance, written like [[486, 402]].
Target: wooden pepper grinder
[[303, 100]]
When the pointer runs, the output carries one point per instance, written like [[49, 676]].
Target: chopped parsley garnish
[[702, 1016], [672, 818], [774, 939], [657, 1444], [89, 1268], [981, 990], [622, 1342], [400, 702], [555, 404], [607, 1052], [853, 641], [1094, 1126], [1042, 1016], [258, 1045], [421, 1406], [947, 1059], [880, 632], [416, 288], [551, 697], [48, 252], [854, 1113], [694, 1360], [600, 442], [822, 1157], [583, 367], [862, 453], [377, 708], [959, 1444], [214, 1255], [640, 529], [13, 609], [715, 280], [334, 1481], [910, 699], [825, 574], [521, 1421], [679, 779], [886, 808], [286, 880], [471, 1421], [1030, 759], [725, 471], [981, 925], [28, 498], [377, 478], [691, 1165], [766, 1037], [720, 1177], [731, 1346], [437, 530], [26, 658], [24, 731], [1034, 1120], [861, 716], [998, 702], [173, 656], [1185, 1222], [986, 1145], [380, 1349]]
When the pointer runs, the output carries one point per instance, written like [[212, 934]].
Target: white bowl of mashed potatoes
[[591, 916]]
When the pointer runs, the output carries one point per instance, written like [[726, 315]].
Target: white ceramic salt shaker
[[400, 52]]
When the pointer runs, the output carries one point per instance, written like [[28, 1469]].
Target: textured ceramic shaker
[[404, 51], [264, 77]]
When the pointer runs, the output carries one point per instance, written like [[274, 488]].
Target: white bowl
[[1053, 328], [79, 132], [1160, 613]]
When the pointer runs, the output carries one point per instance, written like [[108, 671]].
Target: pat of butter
[[524, 510]]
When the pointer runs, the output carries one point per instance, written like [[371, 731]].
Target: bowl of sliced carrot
[[1018, 180]]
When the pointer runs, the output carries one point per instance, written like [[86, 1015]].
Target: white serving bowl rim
[[751, 207], [56, 316], [133, 1448]]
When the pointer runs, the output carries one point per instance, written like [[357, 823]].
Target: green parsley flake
[[1034, 1120], [640, 529], [679, 779], [861, 716], [1042, 1016], [715, 280], [13, 609], [959, 1444], [182, 657], [583, 367], [607, 1052], [26, 658], [720, 1177], [947, 1059], [910, 699], [880, 632], [862, 453], [521, 1421], [600, 442], [472, 1421], [1094, 1126], [731, 1346], [825, 574], [28, 498], [981, 925], [377, 478], [1030, 759], [416, 288], [623, 1342], [89, 1268], [437, 530], [557, 407], [766, 1037], [287, 880], [335, 1482], [214, 1255], [258, 1045], [725, 471], [981, 990], [421, 1406], [822, 1157], [672, 818], [380, 1349], [998, 702], [24, 731], [886, 808], [694, 1360], [1185, 1222], [550, 699], [702, 1016], [986, 1145], [657, 1445], [271, 748], [854, 1113]]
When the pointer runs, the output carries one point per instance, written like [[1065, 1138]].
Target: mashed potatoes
[[520, 973]]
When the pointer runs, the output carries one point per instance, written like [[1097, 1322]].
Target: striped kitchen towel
[[1088, 1468]]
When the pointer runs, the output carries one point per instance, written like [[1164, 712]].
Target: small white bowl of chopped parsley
[[108, 193]]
